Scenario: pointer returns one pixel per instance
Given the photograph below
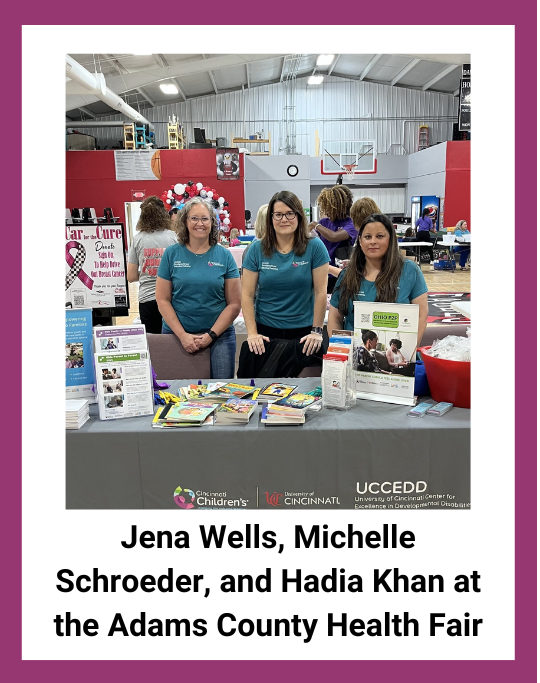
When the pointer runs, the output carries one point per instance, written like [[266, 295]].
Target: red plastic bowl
[[449, 380]]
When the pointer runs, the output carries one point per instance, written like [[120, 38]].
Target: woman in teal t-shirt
[[377, 272], [198, 288], [291, 270]]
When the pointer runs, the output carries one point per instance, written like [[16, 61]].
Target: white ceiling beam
[[142, 79], [247, 75], [87, 112], [370, 66], [333, 65], [456, 92], [146, 97], [404, 71], [283, 68], [443, 59], [180, 91], [439, 76], [116, 64], [212, 78]]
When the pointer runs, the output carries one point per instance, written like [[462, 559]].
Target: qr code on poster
[[78, 300], [364, 317]]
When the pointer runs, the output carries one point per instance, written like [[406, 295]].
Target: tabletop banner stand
[[384, 357], [80, 378]]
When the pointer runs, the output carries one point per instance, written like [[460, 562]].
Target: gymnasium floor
[[437, 281]]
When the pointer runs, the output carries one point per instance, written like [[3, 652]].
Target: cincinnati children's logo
[[273, 498], [184, 498]]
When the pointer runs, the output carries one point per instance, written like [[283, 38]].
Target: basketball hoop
[[349, 170]]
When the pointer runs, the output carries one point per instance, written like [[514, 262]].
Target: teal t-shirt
[[198, 284], [411, 285], [285, 294]]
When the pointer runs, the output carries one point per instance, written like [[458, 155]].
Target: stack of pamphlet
[[77, 413], [192, 414], [235, 411], [290, 410], [273, 392]]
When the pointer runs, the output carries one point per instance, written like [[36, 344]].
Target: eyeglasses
[[194, 220], [279, 216]]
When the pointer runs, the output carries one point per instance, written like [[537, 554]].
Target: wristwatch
[[317, 330], [213, 336]]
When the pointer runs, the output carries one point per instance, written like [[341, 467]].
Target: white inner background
[[448, 542]]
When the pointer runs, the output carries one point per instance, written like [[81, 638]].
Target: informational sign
[[96, 275], [384, 355], [227, 163], [124, 384], [465, 104], [137, 164], [80, 378]]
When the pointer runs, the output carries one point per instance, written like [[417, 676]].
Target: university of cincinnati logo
[[184, 498], [273, 498]]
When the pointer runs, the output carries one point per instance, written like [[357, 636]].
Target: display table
[[338, 460], [463, 307]]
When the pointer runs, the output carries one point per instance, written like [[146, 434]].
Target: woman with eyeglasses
[[377, 272], [198, 288], [291, 269]]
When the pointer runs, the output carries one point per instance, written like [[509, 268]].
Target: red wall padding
[[457, 199], [91, 181]]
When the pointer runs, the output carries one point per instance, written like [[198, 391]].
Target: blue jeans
[[222, 354], [463, 255]]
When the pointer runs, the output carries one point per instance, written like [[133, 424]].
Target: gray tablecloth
[[371, 457]]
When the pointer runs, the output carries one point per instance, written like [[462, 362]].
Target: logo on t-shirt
[[181, 264], [300, 263], [215, 263]]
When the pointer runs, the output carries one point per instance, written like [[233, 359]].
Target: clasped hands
[[195, 342], [313, 342]]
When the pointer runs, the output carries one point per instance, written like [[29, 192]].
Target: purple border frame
[[521, 14]]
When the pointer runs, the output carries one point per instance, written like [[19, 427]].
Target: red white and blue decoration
[[180, 193]]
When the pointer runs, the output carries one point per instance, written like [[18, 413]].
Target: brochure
[[230, 390], [384, 354], [124, 383], [120, 338], [190, 412], [80, 377]]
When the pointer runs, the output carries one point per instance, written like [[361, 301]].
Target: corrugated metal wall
[[390, 200], [338, 110]]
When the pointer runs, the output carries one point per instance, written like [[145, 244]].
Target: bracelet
[[213, 336], [317, 330]]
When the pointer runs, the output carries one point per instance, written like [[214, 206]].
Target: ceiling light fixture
[[315, 80], [169, 88], [325, 60]]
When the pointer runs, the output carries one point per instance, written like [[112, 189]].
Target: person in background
[[377, 272], [336, 229], [424, 226], [154, 235], [259, 227], [465, 250], [198, 289], [394, 356], [361, 209], [291, 270]]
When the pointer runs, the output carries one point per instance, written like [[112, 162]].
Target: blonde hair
[[181, 228], [361, 209], [260, 222]]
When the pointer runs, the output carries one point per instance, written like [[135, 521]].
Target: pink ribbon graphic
[[75, 265]]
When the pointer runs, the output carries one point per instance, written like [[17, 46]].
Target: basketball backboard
[[348, 156]]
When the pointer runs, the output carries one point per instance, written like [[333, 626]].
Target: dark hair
[[408, 232], [269, 241], [425, 212], [397, 342], [387, 280], [154, 216], [181, 221], [369, 334], [336, 202]]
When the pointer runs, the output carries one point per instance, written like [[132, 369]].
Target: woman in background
[[394, 356], [377, 272], [424, 226], [463, 251], [154, 235], [259, 226], [336, 229], [361, 209]]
